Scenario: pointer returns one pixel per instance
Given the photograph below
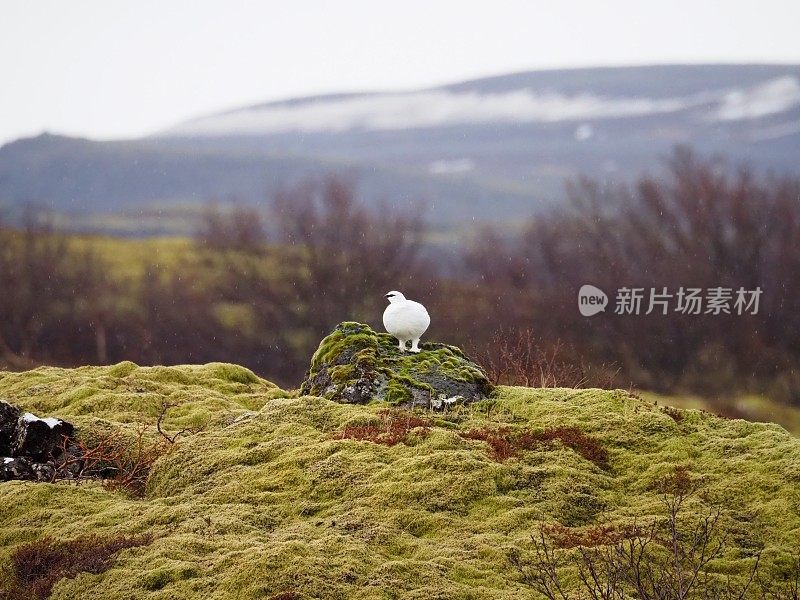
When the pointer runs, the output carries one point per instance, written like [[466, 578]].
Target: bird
[[406, 320]]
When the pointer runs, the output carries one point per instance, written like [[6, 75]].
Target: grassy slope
[[751, 407], [265, 500]]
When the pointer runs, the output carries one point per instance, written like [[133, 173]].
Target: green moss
[[122, 369], [356, 364], [266, 500], [198, 394], [397, 393]]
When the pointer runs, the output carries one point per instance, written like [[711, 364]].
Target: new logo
[[591, 300]]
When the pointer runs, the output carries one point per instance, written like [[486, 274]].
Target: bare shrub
[[122, 461], [170, 438], [541, 567], [38, 282], [666, 557], [236, 227], [347, 254], [700, 223], [518, 357]]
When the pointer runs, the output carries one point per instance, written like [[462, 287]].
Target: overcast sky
[[108, 68]]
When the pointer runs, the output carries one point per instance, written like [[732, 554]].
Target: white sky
[[108, 68]]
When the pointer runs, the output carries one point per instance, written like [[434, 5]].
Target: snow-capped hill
[[490, 149], [447, 107]]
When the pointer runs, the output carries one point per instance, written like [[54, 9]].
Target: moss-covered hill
[[275, 495]]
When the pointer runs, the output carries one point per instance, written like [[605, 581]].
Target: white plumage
[[406, 320]]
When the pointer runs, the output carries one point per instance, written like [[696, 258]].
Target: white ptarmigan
[[406, 320]]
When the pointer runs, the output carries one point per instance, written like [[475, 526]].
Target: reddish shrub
[[507, 443], [518, 357], [123, 463], [37, 566], [394, 427]]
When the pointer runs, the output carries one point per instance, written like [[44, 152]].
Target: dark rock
[[356, 365], [21, 468], [9, 415], [33, 449], [40, 439], [14, 468]]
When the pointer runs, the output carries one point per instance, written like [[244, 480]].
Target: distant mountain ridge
[[544, 96], [492, 149]]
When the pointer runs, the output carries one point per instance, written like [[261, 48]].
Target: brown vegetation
[[37, 566], [506, 443], [518, 357], [676, 414], [260, 287], [394, 426], [701, 225], [123, 461]]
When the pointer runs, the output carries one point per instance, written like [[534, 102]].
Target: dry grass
[[37, 566]]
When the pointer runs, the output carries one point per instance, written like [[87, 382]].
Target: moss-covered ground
[[752, 407], [268, 499]]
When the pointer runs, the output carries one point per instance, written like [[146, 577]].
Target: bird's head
[[395, 296]]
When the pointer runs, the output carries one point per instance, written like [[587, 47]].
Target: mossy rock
[[356, 365]]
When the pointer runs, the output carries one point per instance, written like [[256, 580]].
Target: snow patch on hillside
[[438, 108], [449, 167], [425, 109], [771, 97]]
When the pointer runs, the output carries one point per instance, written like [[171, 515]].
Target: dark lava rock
[[9, 415], [33, 449], [40, 439], [25, 469], [356, 365]]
